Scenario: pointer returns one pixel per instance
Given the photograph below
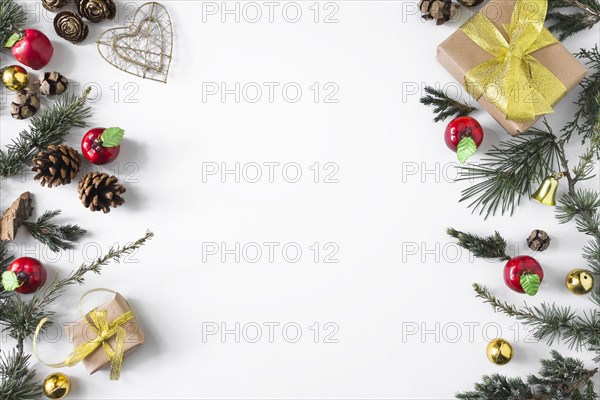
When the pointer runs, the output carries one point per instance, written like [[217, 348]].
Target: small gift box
[[104, 336], [507, 60]]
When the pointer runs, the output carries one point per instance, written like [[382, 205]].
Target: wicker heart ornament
[[144, 47]]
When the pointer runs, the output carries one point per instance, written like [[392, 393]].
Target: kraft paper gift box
[[458, 54], [80, 332]]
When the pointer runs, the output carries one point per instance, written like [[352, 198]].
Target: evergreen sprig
[[484, 247], [18, 380], [48, 128], [510, 170], [56, 237], [444, 105], [585, 118], [586, 15], [551, 322], [12, 19], [559, 378]]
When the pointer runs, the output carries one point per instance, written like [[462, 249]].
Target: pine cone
[[100, 191], [53, 83], [96, 10], [440, 10], [53, 5], [538, 240], [25, 104], [70, 26], [57, 165]]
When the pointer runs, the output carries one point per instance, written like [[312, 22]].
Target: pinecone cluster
[[70, 26], [27, 102], [100, 191], [57, 165]]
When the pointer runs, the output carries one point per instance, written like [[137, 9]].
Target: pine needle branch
[[45, 297], [510, 170], [559, 378], [18, 381], [12, 19], [484, 247], [56, 237], [567, 24], [444, 105], [48, 128], [585, 118], [551, 322]]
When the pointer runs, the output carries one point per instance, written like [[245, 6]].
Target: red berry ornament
[[464, 135], [24, 275], [523, 274], [101, 146], [31, 47]]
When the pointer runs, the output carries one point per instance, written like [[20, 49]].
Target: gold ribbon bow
[[514, 81], [104, 331]]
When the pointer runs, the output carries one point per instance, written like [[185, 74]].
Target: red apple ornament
[[464, 135], [101, 146], [523, 274], [24, 275], [31, 47]]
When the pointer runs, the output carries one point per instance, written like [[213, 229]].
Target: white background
[[387, 214]]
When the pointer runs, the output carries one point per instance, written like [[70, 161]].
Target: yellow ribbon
[[104, 332], [518, 84]]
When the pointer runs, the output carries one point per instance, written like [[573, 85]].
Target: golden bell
[[57, 386], [580, 281], [546, 194], [499, 351]]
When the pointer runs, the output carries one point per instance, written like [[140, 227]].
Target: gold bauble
[[15, 77], [57, 386], [499, 351], [580, 281]]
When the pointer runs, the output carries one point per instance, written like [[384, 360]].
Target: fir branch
[[585, 119], [48, 128], [568, 24], [56, 237], [498, 387], [12, 19], [18, 381], [485, 247], [510, 170], [559, 378], [5, 258], [444, 105], [551, 322]]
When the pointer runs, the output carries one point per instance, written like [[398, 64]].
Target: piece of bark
[[80, 332], [15, 215], [458, 54]]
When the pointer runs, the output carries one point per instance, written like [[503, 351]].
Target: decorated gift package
[[508, 60]]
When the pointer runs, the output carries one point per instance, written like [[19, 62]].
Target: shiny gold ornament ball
[[15, 77], [580, 281], [499, 351], [57, 386]]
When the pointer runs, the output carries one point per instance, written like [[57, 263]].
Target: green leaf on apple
[[10, 281], [14, 38], [530, 283], [112, 137], [466, 148]]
